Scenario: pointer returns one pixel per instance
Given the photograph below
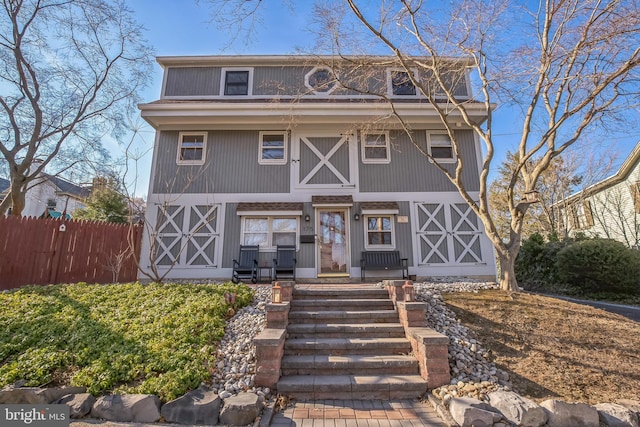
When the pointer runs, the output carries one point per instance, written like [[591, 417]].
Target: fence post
[[58, 238]]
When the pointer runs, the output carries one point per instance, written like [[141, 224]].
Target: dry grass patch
[[553, 348]]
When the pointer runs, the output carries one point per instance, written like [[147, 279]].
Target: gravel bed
[[472, 372]]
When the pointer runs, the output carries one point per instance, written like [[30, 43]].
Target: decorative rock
[[563, 414], [517, 409], [29, 395], [240, 410], [199, 406], [469, 412], [56, 393], [615, 415], [632, 405], [142, 408], [79, 404]]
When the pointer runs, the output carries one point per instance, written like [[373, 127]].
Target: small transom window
[[273, 148], [440, 147], [191, 148], [375, 147]]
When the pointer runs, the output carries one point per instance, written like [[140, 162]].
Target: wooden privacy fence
[[36, 251]]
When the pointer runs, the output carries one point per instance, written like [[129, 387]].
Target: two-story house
[[609, 208], [272, 150]]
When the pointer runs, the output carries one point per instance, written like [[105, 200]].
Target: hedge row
[[586, 266]]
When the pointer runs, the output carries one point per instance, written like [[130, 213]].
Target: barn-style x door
[[324, 160], [447, 233], [186, 235]]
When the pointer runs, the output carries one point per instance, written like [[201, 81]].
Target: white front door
[[333, 243]]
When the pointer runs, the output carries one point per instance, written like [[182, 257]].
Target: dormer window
[[236, 81], [400, 84], [321, 81]]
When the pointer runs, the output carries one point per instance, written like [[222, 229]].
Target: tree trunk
[[18, 199], [507, 272]]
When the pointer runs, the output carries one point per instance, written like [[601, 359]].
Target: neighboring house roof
[[4, 185], [621, 175], [68, 187]]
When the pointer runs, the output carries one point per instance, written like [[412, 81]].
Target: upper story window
[[51, 203], [375, 147], [321, 81], [191, 148], [273, 148], [236, 81], [400, 84], [440, 147]]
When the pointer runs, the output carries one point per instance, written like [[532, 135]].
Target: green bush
[[535, 266], [600, 265], [133, 338]]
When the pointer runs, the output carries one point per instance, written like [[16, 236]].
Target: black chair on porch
[[284, 264], [247, 266]]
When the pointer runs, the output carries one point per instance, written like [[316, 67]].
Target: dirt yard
[[553, 348]]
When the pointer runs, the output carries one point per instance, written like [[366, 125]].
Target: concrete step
[[342, 346], [345, 330], [367, 304], [349, 365], [343, 316], [357, 387], [340, 293]]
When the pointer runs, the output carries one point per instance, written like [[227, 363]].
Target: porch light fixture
[[356, 217], [307, 218], [408, 291], [276, 293]]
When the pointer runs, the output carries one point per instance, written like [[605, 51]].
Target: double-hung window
[[273, 148], [268, 232], [440, 147], [379, 231], [375, 147], [191, 148], [236, 81]]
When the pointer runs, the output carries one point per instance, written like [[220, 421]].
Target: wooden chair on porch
[[247, 265], [284, 264]]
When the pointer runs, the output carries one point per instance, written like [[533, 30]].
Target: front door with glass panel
[[333, 243]]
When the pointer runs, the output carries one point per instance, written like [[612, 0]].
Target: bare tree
[[570, 67], [70, 73]]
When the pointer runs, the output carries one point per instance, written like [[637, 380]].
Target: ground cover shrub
[[600, 266], [135, 338]]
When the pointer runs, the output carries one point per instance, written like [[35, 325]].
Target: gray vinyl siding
[[279, 81], [231, 166], [192, 81], [411, 171], [403, 236]]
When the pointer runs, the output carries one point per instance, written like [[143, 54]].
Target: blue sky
[[181, 27]]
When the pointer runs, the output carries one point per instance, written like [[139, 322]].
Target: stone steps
[[344, 330], [347, 344]]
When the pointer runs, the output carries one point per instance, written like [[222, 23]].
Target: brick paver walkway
[[357, 413]]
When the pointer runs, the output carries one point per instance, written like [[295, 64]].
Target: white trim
[[371, 247], [269, 213], [364, 146], [452, 159], [379, 211], [223, 81], [285, 141], [204, 148], [390, 72], [314, 90]]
